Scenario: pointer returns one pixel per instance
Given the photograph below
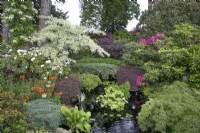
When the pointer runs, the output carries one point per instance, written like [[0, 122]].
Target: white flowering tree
[[63, 39]]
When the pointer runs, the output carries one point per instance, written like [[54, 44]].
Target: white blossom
[[48, 61], [42, 65], [44, 95], [10, 50], [32, 59]]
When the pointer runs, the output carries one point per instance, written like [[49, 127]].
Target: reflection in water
[[126, 125]]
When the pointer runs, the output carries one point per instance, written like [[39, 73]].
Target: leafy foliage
[[114, 100], [89, 81], [110, 15], [123, 35], [31, 64], [19, 17], [172, 108], [77, 120], [70, 88], [100, 60], [166, 14], [63, 39], [194, 68], [13, 117], [107, 43], [129, 74], [105, 71], [172, 60], [185, 35], [45, 113]]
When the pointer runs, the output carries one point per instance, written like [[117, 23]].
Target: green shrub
[[77, 120], [103, 70], [172, 108], [13, 118], [101, 60], [45, 114], [123, 35], [194, 67], [177, 59], [185, 35], [114, 100], [89, 81]]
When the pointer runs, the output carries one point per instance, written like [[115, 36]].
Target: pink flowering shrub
[[139, 79], [152, 40]]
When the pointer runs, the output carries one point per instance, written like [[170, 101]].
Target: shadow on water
[[126, 125]]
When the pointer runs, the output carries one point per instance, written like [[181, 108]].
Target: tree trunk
[[45, 10], [5, 30]]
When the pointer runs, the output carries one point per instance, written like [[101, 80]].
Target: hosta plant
[[77, 120]]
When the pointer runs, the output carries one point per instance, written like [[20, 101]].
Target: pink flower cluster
[[153, 39], [139, 79]]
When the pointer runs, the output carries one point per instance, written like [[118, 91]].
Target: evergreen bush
[[105, 71], [89, 81], [44, 113]]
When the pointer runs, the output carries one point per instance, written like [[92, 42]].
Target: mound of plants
[[100, 60], [170, 60], [104, 71], [130, 74], [107, 43], [89, 81], [114, 100], [172, 108], [13, 116], [123, 36], [44, 113], [70, 88]]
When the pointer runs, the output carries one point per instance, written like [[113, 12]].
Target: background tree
[[109, 15], [4, 22], [19, 19], [45, 10], [166, 14]]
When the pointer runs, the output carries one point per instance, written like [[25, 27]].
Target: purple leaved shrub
[[132, 75], [107, 43], [71, 89]]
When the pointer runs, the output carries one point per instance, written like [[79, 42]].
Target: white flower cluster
[[93, 31], [64, 39]]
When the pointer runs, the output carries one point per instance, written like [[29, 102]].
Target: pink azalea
[[139, 79], [153, 39], [142, 40], [159, 35]]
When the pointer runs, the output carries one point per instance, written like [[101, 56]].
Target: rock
[[61, 130]]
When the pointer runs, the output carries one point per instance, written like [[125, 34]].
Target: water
[[126, 125]]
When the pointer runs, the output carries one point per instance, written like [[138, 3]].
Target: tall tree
[[165, 14], [19, 18], [108, 15], [45, 10]]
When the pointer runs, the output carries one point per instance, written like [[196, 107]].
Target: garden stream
[[124, 125]]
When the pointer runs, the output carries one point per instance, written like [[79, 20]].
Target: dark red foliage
[[108, 44], [71, 89], [129, 74]]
